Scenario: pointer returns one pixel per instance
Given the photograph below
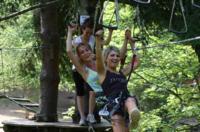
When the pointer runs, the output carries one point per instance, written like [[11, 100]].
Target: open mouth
[[114, 61]]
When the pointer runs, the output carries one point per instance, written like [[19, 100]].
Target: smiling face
[[84, 52], [112, 57], [87, 28]]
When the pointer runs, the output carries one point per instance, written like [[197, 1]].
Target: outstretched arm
[[109, 37], [70, 53], [123, 50], [101, 70], [131, 66]]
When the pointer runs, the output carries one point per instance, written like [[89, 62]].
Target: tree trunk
[[49, 77], [87, 7]]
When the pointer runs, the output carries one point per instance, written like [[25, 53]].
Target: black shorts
[[80, 84]]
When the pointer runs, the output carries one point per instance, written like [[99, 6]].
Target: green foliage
[[19, 62], [160, 80], [68, 114]]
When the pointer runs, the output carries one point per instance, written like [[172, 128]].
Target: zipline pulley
[[183, 15], [115, 13]]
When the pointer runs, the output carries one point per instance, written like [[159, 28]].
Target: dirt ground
[[8, 111]]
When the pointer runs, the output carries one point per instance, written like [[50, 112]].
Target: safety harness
[[112, 105]]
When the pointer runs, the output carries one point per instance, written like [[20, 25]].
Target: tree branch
[[167, 89], [26, 10]]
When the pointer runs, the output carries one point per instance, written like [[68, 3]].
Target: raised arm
[[128, 39], [123, 49], [135, 63], [108, 39], [71, 55], [101, 70]]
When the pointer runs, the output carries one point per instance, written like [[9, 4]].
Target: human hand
[[127, 34], [135, 61], [110, 30], [99, 33], [72, 27], [99, 36]]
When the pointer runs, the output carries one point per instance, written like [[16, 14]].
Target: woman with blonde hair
[[114, 84]]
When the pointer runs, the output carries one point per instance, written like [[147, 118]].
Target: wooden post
[[49, 77]]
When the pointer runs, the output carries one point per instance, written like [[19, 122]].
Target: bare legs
[[134, 113], [80, 104], [118, 124], [91, 101], [130, 104]]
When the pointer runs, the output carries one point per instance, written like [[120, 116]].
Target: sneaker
[[134, 118], [91, 119], [82, 122]]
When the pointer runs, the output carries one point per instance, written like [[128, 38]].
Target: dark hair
[[88, 23], [98, 27], [82, 44]]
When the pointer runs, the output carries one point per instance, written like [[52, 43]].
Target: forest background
[[166, 82]]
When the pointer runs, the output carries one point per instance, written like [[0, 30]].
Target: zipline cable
[[18, 48], [143, 2], [185, 40], [169, 44], [135, 38], [183, 15]]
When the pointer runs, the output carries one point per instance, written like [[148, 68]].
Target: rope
[[138, 16], [2, 66], [195, 5], [41, 5], [116, 13], [98, 6], [74, 17], [143, 2], [183, 15], [132, 65], [135, 38], [167, 45], [17, 48], [90, 128], [185, 40], [141, 37]]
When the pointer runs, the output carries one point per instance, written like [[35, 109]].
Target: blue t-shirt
[[93, 80], [79, 40]]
